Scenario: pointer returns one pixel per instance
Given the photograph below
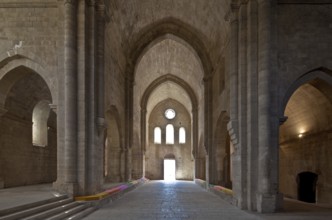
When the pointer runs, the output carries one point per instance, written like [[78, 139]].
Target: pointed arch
[[154, 33], [193, 99], [319, 73], [15, 68]]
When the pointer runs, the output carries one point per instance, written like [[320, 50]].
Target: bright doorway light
[[169, 169]]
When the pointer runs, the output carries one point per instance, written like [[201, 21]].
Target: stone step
[[54, 211], [17, 209], [82, 214], [81, 208]]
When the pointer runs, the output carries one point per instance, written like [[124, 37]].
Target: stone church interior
[[236, 95]]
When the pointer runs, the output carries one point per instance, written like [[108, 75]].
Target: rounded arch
[[16, 68], [154, 33], [319, 73]]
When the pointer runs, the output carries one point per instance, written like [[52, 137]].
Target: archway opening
[[306, 186], [28, 153], [305, 144]]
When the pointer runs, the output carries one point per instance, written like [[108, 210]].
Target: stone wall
[[311, 153], [304, 41]]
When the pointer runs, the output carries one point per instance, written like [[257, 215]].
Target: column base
[[269, 203], [66, 188]]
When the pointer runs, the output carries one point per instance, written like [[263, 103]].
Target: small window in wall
[[40, 116], [157, 135], [169, 134], [182, 135]]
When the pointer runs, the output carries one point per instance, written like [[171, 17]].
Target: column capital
[[53, 107]]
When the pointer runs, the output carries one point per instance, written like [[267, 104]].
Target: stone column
[[94, 184], [143, 128], [100, 89], [208, 127], [234, 109], [70, 69], [128, 164], [129, 118], [252, 112], [100, 61], [242, 107], [267, 197], [195, 138]]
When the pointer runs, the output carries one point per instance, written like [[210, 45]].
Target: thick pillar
[[70, 105], [267, 196]]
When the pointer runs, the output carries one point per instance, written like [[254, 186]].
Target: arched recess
[[189, 91], [305, 137], [25, 163], [114, 152], [155, 153], [40, 115], [220, 166]]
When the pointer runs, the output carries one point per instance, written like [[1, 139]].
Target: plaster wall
[[311, 153]]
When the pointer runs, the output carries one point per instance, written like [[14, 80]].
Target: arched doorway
[[305, 143], [306, 186]]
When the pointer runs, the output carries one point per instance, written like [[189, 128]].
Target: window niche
[[40, 117]]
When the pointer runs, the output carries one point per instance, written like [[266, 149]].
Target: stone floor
[[173, 200], [186, 200], [16, 196]]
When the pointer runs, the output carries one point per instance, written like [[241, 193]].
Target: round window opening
[[170, 113]]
